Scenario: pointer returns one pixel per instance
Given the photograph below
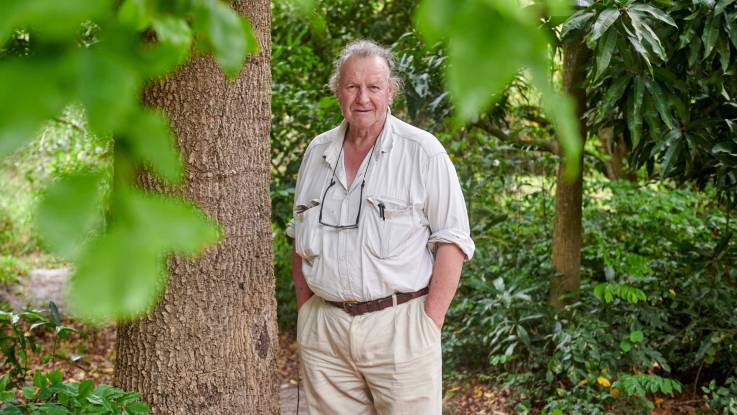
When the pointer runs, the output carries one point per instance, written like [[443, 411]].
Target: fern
[[608, 291]]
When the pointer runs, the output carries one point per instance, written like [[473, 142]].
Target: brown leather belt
[[355, 308]]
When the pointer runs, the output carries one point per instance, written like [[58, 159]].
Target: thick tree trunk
[[210, 345], [566, 254]]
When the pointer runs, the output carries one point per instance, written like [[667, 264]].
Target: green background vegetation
[[656, 312]]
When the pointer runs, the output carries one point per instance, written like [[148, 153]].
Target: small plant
[[722, 398], [19, 332], [50, 395]]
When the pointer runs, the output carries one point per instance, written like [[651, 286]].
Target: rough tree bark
[[567, 236], [210, 345]]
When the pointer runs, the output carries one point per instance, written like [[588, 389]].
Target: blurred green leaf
[[135, 14], [229, 36], [108, 285], [60, 19], [175, 34], [68, 212], [46, 90], [108, 87], [153, 143]]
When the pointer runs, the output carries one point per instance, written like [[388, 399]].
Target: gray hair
[[365, 48]]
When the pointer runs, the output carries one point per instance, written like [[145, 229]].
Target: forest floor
[[89, 353]]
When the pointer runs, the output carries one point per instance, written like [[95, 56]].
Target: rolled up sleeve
[[445, 207]]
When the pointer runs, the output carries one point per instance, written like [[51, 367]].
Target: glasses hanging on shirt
[[360, 196]]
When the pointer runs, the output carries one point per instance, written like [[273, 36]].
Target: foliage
[[666, 244], [722, 398], [487, 44], [670, 87], [50, 395], [18, 339], [20, 333], [100, 55]]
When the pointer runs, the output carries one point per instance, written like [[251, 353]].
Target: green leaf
[[644, 31], [68, 212], [640, 49], [637, 336], [721, 5], [661, 104], [153, 143], [577, 21], [634, 111], [604, 52], [54, 311], [58, 19], [605, 20], [229, 36], [655, 12], [711, 33], [108, 285], [135, 13], [175, 34], [625, 345], [724, 53], [613, 94], [46, 92], [85, 388], [138, 408], [29, 393], [109, 86]]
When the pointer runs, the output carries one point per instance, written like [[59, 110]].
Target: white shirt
[[410, 180]]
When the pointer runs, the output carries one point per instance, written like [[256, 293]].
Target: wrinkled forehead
[[364, 69]]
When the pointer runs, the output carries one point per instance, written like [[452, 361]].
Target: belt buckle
[[348, 304]]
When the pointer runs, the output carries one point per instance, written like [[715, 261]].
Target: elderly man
[[380, 235]]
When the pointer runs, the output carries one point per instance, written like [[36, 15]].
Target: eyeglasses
[[360, 196]]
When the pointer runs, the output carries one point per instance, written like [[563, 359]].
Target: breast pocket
[[307, 241], [389, 227]]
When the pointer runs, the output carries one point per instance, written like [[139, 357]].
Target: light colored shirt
[[411, 200]]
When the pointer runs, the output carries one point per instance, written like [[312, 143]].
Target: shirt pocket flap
[[390, 207]]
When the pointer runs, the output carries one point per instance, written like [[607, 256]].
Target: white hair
[[365, 48]]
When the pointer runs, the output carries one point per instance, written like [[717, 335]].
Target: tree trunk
[[615, 167], [566, 254], [210, 345]]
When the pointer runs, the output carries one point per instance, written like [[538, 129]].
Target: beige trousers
[[385, 362]]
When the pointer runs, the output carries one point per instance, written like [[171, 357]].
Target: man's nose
[[362, 95]]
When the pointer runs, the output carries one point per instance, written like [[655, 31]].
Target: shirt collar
[[385, 140]]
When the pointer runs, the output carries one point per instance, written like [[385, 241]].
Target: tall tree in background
[[210, 345], [566, 255]]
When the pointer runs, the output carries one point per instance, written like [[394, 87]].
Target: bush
[[655, 309], [48, 393]]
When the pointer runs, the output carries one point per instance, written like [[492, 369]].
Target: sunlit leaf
[[134, 13]]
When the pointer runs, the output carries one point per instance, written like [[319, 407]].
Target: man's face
[[364, 91]]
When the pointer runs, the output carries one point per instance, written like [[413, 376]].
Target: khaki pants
[[384, 362]]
